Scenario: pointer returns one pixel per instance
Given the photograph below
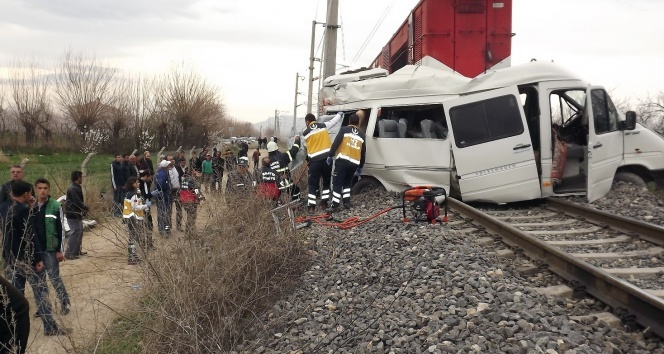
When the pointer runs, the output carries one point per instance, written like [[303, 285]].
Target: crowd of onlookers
[[34, 224], [33, 245]]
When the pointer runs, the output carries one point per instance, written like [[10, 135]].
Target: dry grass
[[204, 292], [3, 158]]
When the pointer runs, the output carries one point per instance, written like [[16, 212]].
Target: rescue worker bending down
[[318, 143], [240, 179], [348, 151], [279, 163], [268, 184]]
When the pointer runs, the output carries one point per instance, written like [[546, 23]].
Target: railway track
[[607, 256]]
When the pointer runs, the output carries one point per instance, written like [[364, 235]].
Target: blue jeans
[[164, 212], [17, 274], [53, 270]]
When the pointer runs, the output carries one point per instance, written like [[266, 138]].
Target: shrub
[[208, 289]]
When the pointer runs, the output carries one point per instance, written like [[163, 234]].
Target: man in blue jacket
[[163, 186]]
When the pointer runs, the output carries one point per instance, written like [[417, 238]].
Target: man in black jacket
[[75, 208], [21, 252], [118, 181], [217, 171], [15, 324], [146, 163], [16, 173]]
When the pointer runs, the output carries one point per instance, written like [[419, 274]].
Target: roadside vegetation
[[57, 168], [202, 294]]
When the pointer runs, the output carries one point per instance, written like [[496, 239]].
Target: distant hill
[[285, 122]]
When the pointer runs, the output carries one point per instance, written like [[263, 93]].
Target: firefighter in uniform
[[268, 185], [348, 151], [279, 163], [318, 141], [240, 179]]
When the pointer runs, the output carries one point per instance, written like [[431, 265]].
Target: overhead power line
[[373, 32]]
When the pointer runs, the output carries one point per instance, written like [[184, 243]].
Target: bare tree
[[29, 87], [188, 110], [137, 102], [3, 112], [84, 87], [651, 112]]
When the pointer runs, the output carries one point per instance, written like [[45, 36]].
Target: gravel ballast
[[395, 287]]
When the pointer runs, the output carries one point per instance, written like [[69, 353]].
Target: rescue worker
[[348, 151], [279, 162], [318, 141], [191, 197], [268, 183], [240, 179], [134, 212]]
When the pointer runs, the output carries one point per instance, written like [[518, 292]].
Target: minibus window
[[604, 112], [484, 121]]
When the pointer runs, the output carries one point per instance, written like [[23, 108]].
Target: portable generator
[[424, 203]]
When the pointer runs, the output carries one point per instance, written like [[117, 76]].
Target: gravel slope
[[390, 287]]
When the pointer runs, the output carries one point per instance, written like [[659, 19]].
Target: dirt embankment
[[100, 285]]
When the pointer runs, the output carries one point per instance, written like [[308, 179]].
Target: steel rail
[[648, 310], [646, 231]]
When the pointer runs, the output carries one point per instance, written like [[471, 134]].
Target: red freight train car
[[469, 36]]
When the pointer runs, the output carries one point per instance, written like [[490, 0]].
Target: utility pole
[[330, 58], [311, 66], [297, 79], [276, 123]]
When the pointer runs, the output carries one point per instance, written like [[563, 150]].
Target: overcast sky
[[252, 49]]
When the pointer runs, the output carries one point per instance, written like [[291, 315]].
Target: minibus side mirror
[[630, 121]]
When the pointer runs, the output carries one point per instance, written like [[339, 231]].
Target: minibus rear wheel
[[365, 184], [630, 177]]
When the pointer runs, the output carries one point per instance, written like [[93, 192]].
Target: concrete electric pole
[[297, 79], [312, 59], [330, 58], [276, 123]]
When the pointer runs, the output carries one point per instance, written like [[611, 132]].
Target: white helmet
[[272, 146]]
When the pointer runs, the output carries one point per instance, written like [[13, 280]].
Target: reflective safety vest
[[318, 141], [350, 144], [133, 206]]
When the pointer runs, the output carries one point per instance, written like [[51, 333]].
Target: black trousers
[[319, 170], [342, 180], [15, 322]]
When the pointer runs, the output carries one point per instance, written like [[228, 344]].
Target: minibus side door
[[492, 148]]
